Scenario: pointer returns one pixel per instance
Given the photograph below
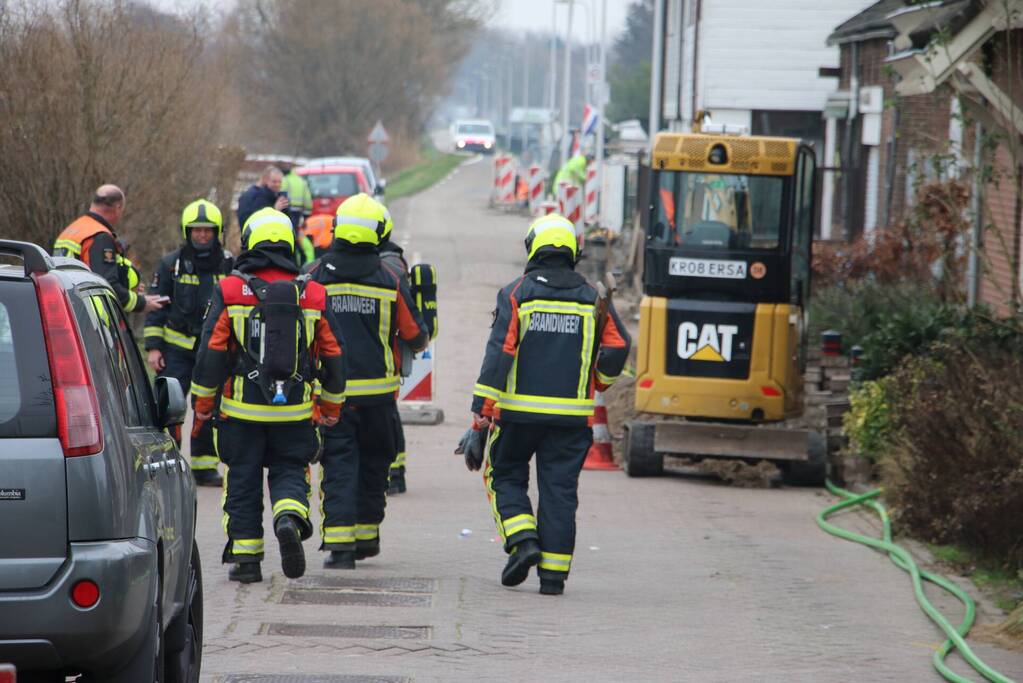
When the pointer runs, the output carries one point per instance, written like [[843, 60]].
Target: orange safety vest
[[73, 240], [319, 228]]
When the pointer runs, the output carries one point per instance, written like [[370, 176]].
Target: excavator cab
[[726, 283]]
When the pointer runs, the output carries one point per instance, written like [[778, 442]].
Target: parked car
[[331, 184], [473, 135], [99, 569], [378, 185]]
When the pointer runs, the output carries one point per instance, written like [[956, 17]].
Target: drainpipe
[[893, 142], [847, 142], [973, 264]]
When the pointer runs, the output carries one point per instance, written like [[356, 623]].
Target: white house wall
[[757, 54]]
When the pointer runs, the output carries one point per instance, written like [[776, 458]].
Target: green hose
[[904, 561]]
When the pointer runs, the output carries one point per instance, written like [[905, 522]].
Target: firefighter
[[187, 276], [374, 308], [554, 340], [394, 256], [572, 172], [91, 239], [267, 333]]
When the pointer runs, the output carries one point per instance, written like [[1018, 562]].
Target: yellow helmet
[[201, 214], [268, 226], [359, 220], [552, 230], [388, 224]]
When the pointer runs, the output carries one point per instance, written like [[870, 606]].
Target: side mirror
[[170, 402], [381, 186]]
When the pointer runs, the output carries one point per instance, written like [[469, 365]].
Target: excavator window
[[718, 211]]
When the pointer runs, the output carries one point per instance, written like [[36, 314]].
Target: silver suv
[[99, 570]]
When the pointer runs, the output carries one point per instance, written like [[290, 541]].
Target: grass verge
[[1004, 586], [434, 166]]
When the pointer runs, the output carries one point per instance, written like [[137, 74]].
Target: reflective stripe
[[187, 279], [372, 387], [177, 339], [486, 392], [606, 379], [291, 505], [555, 307], [205, 462], [399, 460], [70, 246], [330, 397], [152, 331], [488, 479], [133, 300], [555, 562], [514, 525], [247, 546], [343, 219], [199, 391], [338, 534], [362, 290], [259, 412], [272, 219], [545, 405], [366, 532]]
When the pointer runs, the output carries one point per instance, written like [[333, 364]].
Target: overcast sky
[[536, 15]]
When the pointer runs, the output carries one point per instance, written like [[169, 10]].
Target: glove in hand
[[471, 447]]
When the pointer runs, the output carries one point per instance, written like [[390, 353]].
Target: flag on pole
[[576, 146], [590, 119]]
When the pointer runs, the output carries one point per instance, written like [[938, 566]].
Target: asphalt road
[[675, 579]]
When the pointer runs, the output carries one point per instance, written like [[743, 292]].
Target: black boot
[[524, 554], [396, 481], [289, 535], [245, 572], [552, 586], [207, 478], [370, 548], [340, 559]]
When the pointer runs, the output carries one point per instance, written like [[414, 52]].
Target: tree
[[324, 72], [629, 68], [94, 92]]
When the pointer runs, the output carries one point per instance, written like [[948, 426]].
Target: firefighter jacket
[[545, 356], [189, 282], [92, 240], [373, 305], [221, 364]]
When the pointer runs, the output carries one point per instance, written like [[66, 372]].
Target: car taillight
[[85, 594], [8, 674], [74, 394]]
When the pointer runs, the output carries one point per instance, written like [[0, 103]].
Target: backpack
[[281, 360]]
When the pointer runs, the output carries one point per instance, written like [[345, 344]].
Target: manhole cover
[[305, 678], [313, 597], [387, 584], [348, 631]]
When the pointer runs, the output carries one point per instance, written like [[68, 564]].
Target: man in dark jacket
[[265, 193], [552, 344], [187, 276]]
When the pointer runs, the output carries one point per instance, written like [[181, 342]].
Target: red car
[[332, 184]]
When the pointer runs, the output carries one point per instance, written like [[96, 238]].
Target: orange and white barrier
[[573, 208], [504, 180], [547, 207], [536, 182], [592, 193], [600, 456]]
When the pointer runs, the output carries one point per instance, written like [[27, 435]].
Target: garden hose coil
[[902, 559]]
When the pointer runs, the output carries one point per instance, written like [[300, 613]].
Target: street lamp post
[[566, 85]]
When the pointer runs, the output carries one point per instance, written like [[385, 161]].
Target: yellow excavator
[[726, 285]]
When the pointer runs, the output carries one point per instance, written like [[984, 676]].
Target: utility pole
[[601, 88], [525, 94], [567, 85], [552, 101], [657, 63]]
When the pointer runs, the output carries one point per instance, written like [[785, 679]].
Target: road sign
[[379, 134], [378, 152], [593, 73]]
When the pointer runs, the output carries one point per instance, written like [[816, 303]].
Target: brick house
[[947, 73]]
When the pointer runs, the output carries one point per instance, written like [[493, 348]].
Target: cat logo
[[710, 342]]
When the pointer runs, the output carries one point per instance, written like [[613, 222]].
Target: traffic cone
[[600, 456]]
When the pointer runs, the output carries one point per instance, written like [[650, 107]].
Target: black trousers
[[398, 464], [357, 453], [179, 364], [560, 452], [284, 449]]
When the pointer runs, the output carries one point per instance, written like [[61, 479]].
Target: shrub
[[954, 469], [868, 423], [859, 308]]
